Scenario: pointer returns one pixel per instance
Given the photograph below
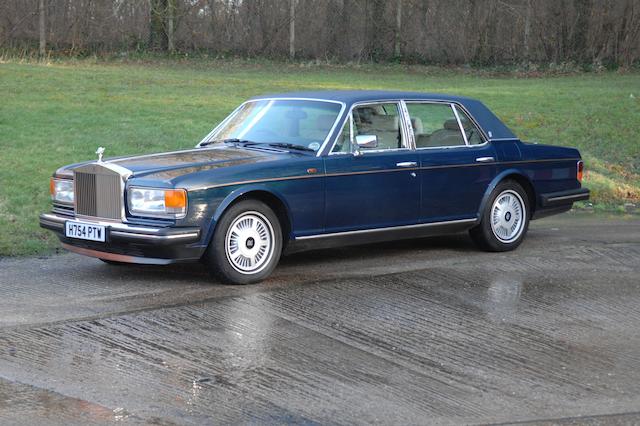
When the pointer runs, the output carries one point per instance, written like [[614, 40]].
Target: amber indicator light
[[175, 198]]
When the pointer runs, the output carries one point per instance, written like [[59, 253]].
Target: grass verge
[[57, 113]]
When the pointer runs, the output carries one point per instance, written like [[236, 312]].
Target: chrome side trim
[[389, 228], [444, 166], [116, 257]]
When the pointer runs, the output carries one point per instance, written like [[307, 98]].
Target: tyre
[[246, 244], [505, 218]]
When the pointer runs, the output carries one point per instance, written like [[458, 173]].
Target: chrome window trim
[[319, 151], [411, 139], [375, 102], [464, 135], [457, 105], [349, 120]]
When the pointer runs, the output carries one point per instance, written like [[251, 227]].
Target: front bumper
[[131, 243]]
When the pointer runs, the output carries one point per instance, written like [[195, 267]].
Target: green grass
[[58, 113]]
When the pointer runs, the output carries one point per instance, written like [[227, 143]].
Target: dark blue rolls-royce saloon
[[312, 170]]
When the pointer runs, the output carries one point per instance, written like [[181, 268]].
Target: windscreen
[[300, 122]]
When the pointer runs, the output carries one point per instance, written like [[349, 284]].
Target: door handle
[[485, 159], [407, 164]]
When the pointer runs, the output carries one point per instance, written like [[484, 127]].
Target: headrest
[[385, 122], [416, 123], [451, 125]]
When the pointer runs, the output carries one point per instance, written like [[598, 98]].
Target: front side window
[[434, 125], [381, 120], [343, 143], [300, 122]]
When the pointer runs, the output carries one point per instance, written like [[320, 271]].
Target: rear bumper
[[563, 198], [131, 243]]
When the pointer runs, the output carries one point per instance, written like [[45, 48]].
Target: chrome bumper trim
[[116, 257], [123, 231], [564, 197]]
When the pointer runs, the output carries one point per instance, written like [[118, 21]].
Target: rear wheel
[[505, 219], [246, 245]]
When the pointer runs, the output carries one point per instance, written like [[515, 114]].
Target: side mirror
[[367, 141]]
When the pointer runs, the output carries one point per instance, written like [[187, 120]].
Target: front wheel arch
[[274, 201]]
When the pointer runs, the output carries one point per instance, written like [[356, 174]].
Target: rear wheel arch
[[526, 184], [514, 175]]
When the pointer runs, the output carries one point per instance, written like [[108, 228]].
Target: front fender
[[235, 195], [496, 180]]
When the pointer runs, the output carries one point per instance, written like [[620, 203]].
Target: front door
[[375, 186]]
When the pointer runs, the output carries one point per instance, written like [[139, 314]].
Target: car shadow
[[196, 272]]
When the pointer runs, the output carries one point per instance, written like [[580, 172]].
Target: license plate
[[85, 231]]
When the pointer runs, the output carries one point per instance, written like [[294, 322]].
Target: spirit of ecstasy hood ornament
[[100, 151]]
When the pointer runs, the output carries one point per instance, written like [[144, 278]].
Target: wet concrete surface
[[414, 332]]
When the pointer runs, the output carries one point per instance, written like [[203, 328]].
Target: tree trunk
[[396, 50], [527, 30], [292, 30], [41, 28], [171, 13], [158, 36]]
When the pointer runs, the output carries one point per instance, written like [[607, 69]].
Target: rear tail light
[[580, 171]]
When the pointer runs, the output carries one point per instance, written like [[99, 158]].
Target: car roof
[[355, 96], [487, 120]]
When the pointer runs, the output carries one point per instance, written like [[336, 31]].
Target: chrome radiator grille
[[98, 194]]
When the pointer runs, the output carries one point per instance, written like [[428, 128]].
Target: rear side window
[[474, 137], [435, 125]]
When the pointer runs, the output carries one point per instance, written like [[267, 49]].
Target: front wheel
[[505, 218], [246, 244]]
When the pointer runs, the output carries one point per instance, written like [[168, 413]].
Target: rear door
[[377, 186], [457, 163]]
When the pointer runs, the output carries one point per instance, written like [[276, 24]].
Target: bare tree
[[292, 29], [398, 32], [42, 29], [601, 32]]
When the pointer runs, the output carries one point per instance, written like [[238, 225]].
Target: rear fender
[[499, 178]]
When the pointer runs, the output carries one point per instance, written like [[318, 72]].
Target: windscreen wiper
[[234, 141], [290, 146]]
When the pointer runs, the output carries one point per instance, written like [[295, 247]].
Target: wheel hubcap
[[249, 243], [508, 215]]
